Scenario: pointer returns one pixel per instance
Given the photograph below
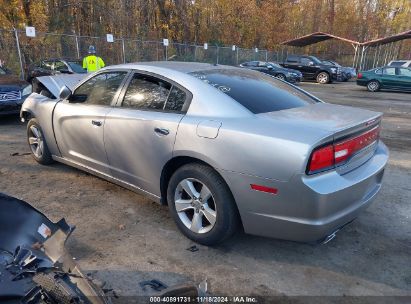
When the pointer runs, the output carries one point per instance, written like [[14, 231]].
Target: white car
[[401, 63]]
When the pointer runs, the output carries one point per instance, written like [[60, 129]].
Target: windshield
[[275, 65], [76, 67], [258, 92], [315, 59]]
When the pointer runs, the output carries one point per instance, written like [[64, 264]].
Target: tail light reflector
[[359, 76], [335, 154]]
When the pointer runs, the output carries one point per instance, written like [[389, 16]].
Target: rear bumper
[[362, 82], [308, 208]]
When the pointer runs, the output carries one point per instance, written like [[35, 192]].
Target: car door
[[140, 132], [308, 67], [79, 121], [404, 78], [389, 78]]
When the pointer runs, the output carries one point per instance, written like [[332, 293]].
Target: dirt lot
[[372, 256]]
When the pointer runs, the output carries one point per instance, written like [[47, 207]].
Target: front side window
[[405, 72], [389, 71], [100, 89], [146, 92], [305, 61], [258, 92]]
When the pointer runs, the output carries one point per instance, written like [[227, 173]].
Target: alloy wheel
[[36, 141], [323, 78], [280, 76], [195, 205], [373, 86]]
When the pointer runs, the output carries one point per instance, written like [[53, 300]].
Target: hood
[[12, 81], [56, 82]]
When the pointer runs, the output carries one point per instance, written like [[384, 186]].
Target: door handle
[[97, 123], [162, 131]]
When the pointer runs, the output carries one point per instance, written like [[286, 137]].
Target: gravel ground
[[123, 238]]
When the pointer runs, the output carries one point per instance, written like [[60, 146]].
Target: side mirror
[[65, 93], [310, 63], [270, 67], [65, 71]]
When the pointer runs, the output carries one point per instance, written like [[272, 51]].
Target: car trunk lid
[[343, 124]]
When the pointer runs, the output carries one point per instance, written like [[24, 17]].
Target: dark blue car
[[274, 69]]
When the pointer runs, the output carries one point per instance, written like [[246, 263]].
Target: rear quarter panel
[[251, 146]]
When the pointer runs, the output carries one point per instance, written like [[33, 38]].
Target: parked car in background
[[55, 66], [346, 72], [386, 78], [400, 63], [222, 146], [274, 69], [13, 92], [312, 68]]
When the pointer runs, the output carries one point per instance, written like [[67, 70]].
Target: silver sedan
[[223, 147]]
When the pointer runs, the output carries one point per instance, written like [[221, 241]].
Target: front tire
[[201, 204], [323, 78], [281, 77], [37, 143], [373, 86]]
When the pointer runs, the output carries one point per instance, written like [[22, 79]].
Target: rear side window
[[389, 71], [100, 89], [258, 92], [293, 59], [176, 100], [146, 92]]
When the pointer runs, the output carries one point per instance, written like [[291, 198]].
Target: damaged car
[[35, 267], [224, 147]]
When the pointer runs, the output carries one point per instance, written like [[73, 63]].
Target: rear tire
[[37, 143], [201, 204], [323, 78], [373, 86]]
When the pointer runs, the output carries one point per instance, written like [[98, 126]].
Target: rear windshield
[[397, 63], [77, 67], [258, 92]]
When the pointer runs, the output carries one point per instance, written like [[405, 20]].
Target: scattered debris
[[193, 248], [154, 284], [35, 267], [19, 154]]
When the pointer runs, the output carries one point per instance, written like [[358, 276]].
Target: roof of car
[[184, 67]]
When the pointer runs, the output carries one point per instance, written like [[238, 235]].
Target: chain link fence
[[17, 51]]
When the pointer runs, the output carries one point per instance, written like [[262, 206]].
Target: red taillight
[[322, 158], [359, 76], [336, 154]]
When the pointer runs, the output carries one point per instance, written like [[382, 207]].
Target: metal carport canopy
[[315, 38], [389, 39]]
